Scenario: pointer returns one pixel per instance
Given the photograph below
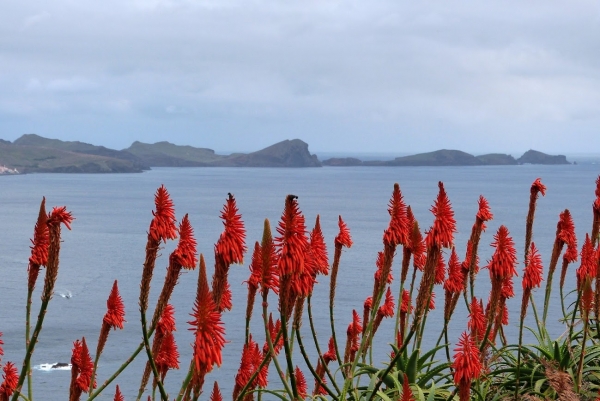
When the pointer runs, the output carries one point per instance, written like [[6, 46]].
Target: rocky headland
[[35, 154]]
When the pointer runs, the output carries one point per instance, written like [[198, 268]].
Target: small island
[[35, 154]]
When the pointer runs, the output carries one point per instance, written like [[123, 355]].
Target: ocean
[[112, 214]]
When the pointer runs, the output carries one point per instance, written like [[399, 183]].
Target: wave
[[53, 366], [64, 293]]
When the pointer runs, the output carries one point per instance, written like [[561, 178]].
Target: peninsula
[[35, 154]]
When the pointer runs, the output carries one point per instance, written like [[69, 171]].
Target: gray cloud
[[342, 75]]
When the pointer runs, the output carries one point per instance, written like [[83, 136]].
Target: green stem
[[27, 332], [314, 334], [34, 338], [117, 372], [163, 394], [310, 367], [186, 381], [272, 350]]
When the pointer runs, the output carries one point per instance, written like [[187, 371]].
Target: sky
[[343, 76]]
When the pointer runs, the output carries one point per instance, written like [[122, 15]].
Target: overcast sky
[[344, 76]]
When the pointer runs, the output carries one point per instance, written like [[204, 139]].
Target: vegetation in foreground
[[482, 364]]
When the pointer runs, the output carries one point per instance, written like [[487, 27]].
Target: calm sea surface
[[113, 213]]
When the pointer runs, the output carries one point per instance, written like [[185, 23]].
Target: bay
[[113, 212]]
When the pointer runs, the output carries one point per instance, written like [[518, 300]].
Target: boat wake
[[53, 366], [64, 293]]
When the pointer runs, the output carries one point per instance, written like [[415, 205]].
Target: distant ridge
[[32, 153], [446, 157]]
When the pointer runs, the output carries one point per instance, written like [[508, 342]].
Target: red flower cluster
[[251, 360], [566, 233], [484, 213], [292, 243], [185, 253], [456, 279], [10, 377], [118, 395], [231, 245], [532, 277], [588, 262], [269, 270], [397, 231], [167, 356], [166, 323], [415, 245], [466, 365], [216, 393], [115, 314], [330, 356], [477, 322], [407, 394], [537, 187], [60, 215], [81, 370], [163, 225], [343, 238], [301, 385], [387, 309], [207, 326], [318, 249], [504, 259], [41, 239], [444, 225]]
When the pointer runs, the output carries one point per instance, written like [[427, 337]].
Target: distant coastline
[[32, 153]]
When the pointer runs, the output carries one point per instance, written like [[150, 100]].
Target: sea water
[[112, 214]]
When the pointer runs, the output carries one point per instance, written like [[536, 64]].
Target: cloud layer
[[341, 75]]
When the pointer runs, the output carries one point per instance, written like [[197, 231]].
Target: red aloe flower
[[397, 231], [231, 245], [440, 270], [186, 248], [10, 378], [477, 323], [118, 395], [537, 186], [269, 270], [60, 215], [207, 326], [168, 356], [40, 244], [484, 213], [456, 279], [387, 309], [274, 329], [292, 243], [416, 243], [115, 314], [163, 225], [330, 354], [532, 276], [407, 394], [367, 312], [343, 238], [588, 265], [255, 269], [81, 370], [444, 225], [216, 393], [301, 386], [466, 365], [1, 344], [166, 323], [566, 233], [251, 359], [318, 249], [504, 259], [353, 334]]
